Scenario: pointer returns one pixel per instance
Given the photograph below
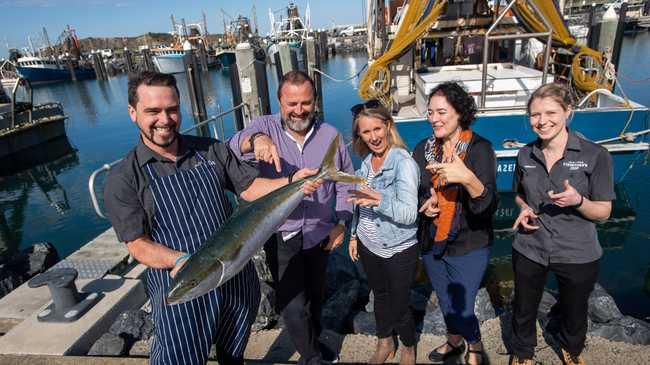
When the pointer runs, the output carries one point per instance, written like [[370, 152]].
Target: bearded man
[[297, 255]]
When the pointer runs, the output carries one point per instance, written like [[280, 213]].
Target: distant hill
[[132, 43]]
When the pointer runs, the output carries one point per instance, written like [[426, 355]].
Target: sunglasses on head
[[370, 104]]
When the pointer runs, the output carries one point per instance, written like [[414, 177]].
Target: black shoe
[[327, 355], [439, 358]]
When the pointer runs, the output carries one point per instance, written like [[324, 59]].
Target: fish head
[[192, 281]]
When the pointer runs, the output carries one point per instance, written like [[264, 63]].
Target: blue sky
[[105, 18]]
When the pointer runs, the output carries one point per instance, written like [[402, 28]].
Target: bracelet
[[582, 199], [251, 139], [181, 258], [290, 177]]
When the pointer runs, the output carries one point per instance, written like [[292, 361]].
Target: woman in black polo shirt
[[457, 196], [563, 184]]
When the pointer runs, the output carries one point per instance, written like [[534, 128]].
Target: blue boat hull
[[226, 58], [43, 75], [593, 124]]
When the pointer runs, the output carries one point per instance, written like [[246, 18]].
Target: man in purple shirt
[[297, 255]]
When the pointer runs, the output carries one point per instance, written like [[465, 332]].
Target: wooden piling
[[324, 47], [618, 40], [128, 60], [288, 59], [253, 86], [195, 89], [147, 62], [312, 63], [98, 63], [203, 55]]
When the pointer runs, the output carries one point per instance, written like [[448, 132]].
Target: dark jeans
[[456, 280], [299, 277], [575, 283], [390, 280]]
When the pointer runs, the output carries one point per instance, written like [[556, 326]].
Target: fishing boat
[[189, 37], [24, 125], [291, 29], [46, 65], [478, 47]]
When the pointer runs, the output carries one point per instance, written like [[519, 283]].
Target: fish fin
[[329, 161]]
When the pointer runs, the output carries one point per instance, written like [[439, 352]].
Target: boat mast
[[49, 45]]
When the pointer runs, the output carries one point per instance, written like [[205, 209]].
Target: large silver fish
[[228, 250]]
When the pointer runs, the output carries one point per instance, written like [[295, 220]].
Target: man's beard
[[299, 126], [150, 138]]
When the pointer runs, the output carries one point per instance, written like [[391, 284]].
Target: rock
[[364, 323], [483, 306], [545, 308], [370, 307], [499, 280], [340, 271], [267, 317], [434, 323], [40, 257], [9, 280], [263, 271], [141, 348], [337, 309], [108, 345], [602, 307], [128, 325], [420, 297], [625, 329], [146, 331]]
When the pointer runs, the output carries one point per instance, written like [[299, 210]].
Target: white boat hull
[[169, 64]]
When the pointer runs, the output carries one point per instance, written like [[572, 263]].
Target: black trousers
[[390, 280], [575, 283], [299, 277]]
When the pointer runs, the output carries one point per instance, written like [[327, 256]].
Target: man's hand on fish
[[336, 236], [265, 150], [181, 261], [365, 197], [309, 187]]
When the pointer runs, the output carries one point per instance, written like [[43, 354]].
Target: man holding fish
[[297, 255], [166, 200]]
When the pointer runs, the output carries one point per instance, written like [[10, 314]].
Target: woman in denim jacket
[[384, 227]]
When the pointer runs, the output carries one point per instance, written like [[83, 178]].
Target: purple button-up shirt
[[315, 216]]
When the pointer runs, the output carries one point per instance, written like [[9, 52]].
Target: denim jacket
[[397, 181]]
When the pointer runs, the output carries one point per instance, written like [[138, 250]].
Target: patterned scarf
[[446, 225]]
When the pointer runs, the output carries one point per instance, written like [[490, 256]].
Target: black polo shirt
[[564, 236], [128, 199]]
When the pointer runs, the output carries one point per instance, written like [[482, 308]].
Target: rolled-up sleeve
[[124, 209], [483, 164], [257, 125], [237, 174]]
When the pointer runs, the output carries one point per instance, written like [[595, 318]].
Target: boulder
[[40, 257], [263, 271], [624, 329], [337, 308], [267, 317], [108, 345], [499, 280], [128, 325], [146, 331], [483, 306], [364, 323], [340, 271], [602, 307], [370, 306], [434, 323], [25, 264]]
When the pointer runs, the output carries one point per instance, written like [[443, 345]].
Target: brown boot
[[407, 355], [386, 349], [572, 360]]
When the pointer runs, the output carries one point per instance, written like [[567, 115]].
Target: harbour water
[[50, 202]]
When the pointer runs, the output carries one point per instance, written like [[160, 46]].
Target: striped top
[[367, 231]]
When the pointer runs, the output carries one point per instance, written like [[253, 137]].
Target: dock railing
[[488, 38], [108, 166]]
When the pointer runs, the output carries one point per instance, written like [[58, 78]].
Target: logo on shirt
[[575, 165]]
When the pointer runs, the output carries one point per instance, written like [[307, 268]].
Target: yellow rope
[[584, 80], [376, 81]]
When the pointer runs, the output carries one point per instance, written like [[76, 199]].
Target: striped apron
[[190, 206]]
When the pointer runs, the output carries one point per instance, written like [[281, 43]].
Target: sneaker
[[439, 358], [514, 360], [572, 360]]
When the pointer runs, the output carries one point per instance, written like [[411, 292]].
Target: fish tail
[[329, 170]]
